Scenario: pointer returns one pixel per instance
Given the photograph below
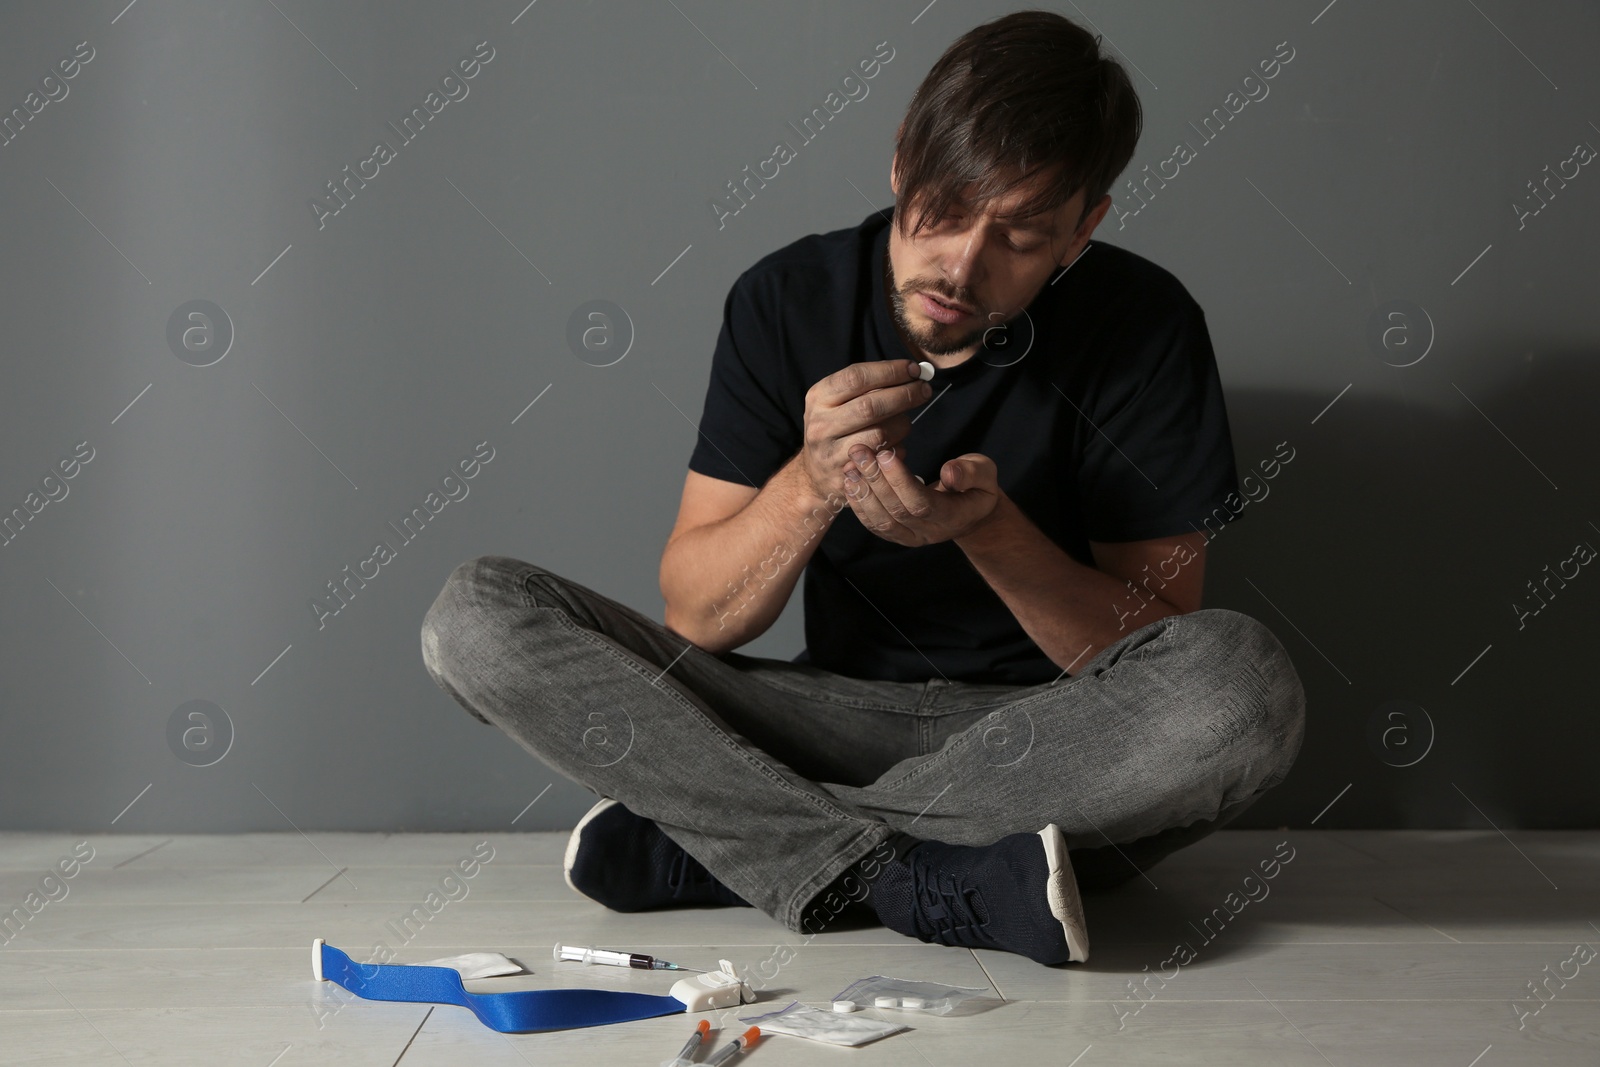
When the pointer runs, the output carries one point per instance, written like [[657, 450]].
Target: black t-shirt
[[1101, 408]]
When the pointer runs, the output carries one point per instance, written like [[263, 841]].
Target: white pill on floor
[[845, 1005], [914, 1003], [885, 1002]]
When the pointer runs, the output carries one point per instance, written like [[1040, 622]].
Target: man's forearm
[[726, 582], [1070, 610]]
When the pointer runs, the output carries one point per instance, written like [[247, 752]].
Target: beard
[[935, 338]]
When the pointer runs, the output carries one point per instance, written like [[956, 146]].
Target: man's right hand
[[864, 403]]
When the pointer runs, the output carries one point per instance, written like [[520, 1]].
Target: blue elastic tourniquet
[[509, 1013]]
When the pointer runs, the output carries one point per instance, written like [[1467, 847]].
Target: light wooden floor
[[1402, 947]]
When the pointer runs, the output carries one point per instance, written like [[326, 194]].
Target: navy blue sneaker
[[1017, 895], [625, 862]]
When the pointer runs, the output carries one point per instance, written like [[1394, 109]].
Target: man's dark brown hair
[[1025, 92]]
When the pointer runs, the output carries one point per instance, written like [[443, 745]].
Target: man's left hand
[[894, 503]]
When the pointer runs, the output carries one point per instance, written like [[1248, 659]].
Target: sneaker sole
[[571, 855], [1065, 904]]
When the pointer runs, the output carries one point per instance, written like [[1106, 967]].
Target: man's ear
[[1096, 215], [1092, 219], [1080, 236]]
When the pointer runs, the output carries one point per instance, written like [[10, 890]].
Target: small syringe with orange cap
[[685, 1056], [734, 1047]]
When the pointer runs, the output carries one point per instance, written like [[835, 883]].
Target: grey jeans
[[779, 776]]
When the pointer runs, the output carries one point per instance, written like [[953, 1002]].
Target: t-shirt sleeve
[[747, 431], [1162, 463]]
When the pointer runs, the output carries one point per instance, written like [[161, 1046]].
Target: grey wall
[[371, 353]]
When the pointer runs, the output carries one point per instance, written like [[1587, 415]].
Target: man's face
[[989, 267]]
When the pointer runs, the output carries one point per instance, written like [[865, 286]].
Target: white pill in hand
[[925, 371], [845, 1005]]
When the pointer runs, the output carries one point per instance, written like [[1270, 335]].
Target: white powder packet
[[818, 1024]]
